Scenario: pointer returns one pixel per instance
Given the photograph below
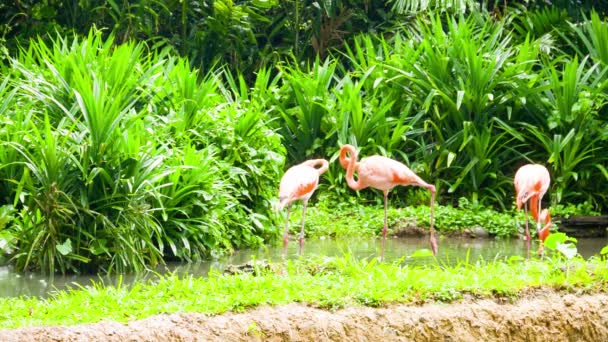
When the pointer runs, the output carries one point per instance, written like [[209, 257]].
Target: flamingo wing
[[376, 172], [298, 183], [384, 173]]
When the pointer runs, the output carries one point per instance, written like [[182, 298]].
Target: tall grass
[[461, 76]]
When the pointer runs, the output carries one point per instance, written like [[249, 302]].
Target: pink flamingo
[[299, 183], [531, 183], [383, 173]]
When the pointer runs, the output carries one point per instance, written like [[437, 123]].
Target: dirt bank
[[550, 317]]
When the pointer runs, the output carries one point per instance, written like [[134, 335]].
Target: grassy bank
[[327, 283]]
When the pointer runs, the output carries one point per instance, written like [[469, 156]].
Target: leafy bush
[[112, 166], [581, 209]]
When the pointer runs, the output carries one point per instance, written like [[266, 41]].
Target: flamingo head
[[522, 198], [545, 216], [344, 159]]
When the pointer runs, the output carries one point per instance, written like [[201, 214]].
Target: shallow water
[[451, 251]]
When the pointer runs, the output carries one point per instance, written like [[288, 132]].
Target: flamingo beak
[[519, 202]]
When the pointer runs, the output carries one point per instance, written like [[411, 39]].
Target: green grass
[[324, 282], [355, 219]]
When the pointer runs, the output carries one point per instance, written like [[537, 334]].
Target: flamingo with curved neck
[[383, 173], [299, 183], [531, 182]]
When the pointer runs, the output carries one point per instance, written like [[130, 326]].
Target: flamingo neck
[[344, 160], [321, 165], [324, 166], [351, 163], [432, 207]]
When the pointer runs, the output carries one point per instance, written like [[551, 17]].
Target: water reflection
[[451, 250]]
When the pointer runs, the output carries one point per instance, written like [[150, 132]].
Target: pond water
[[451, 251]]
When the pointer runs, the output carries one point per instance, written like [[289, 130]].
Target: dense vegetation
[[113, 156], [139, 131]]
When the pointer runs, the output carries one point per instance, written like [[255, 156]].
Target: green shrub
[[121, 159]]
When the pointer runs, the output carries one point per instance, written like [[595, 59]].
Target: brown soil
[[545, 317]]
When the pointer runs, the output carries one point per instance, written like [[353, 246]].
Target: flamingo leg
[[527, 230], [526, 214], [285, 237], [538, 220], [302, 230], [432, 238], [384, 229]]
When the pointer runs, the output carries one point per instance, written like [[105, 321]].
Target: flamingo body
[[382, 173], [299, 183]]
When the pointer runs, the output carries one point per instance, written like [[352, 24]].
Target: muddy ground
[[535, 317]]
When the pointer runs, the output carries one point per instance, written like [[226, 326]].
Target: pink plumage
[[299, 183], [531, 182], [383, 173]]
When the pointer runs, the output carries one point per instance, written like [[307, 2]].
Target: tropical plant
[[131, 168], [452, 6], [305, 105], [593, 33], [572, 138], [464, 77]]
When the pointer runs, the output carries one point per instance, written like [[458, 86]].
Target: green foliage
[[465, 94], [573, 135], [562, 243], [593, 33], [305, 105], [544, 25], [106, 143], [581, 209], [121, 159], [244, 35], [416, 6], [450, 97], [7, 237]]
